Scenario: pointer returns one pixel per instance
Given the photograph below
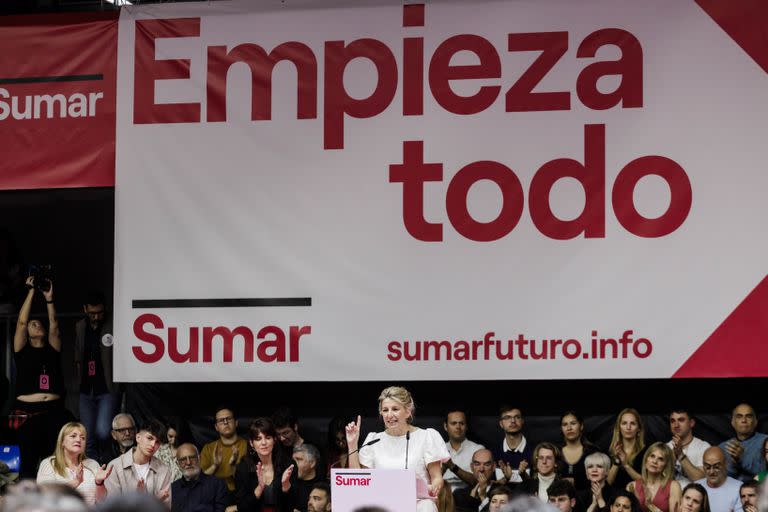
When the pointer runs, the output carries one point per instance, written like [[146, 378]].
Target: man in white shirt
[[687, 449], [458, 471], [722, 490]]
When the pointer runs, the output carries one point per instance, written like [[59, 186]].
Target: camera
[[43, 275]]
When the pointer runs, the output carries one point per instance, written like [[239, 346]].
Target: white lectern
[[393, 490]]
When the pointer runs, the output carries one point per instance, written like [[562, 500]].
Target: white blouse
[[425, 446]]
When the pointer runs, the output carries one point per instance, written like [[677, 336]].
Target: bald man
[[472, 499], [723, 491], [744, 451]]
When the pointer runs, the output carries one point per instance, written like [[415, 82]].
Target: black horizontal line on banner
[[223, 303], [43, 79]]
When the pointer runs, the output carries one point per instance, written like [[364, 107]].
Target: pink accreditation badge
[[44, 382], [91, 368]]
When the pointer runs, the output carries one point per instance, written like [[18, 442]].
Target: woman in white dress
[[69, 465], [425, 448]]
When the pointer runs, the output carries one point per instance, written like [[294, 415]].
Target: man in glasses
[[515, 454], [99, 397], [123, 435], [722, 490], [287, 430], [195, 490], [219, 458]]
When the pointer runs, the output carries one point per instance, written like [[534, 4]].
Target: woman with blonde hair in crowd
[[599, 494], [627, 448], [657, 490], [69, 465]]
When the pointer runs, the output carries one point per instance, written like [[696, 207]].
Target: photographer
[[39, 409]]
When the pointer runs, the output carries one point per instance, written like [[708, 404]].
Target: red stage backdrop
[[57, 100]]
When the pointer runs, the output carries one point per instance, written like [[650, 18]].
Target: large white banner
[[458, 190]]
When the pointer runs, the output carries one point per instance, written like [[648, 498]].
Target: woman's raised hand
[[285, 480], [48, 294], [352, 431], [259, 489], [102, 474]]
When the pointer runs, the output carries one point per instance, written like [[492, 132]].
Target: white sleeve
[[366, 455], [46, 472], [434, 448]]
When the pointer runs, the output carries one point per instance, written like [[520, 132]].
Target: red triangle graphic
[[746, 21], [737, 348]]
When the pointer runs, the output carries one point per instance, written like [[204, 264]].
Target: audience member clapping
[[599, 494], [265, 479], [69, 465], [138, 470], [744, 452], [627, 448], [219, 458], [687, 449], [513, 453]]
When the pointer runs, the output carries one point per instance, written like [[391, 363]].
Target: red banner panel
[[57, 100]]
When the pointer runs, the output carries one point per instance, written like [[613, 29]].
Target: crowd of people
[[276, 468]]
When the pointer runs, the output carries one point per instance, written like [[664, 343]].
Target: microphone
[[369, 443], [407, 442]]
